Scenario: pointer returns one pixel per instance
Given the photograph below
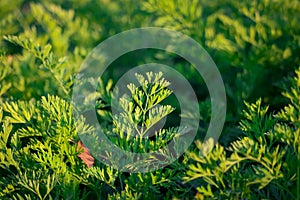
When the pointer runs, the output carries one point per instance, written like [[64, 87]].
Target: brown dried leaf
[[85, 156]]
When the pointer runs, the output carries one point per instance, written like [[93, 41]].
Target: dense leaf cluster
[[256, 46]]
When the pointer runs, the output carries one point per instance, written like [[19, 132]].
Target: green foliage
[[264, 163], [254, 44], [37, 157], [141, 112], [45, 29], [49, 62]]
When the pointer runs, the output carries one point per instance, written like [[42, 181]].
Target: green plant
[[38, 160], [254, 44], [136, 127], [264, 163], [141, 111], [55, 40]]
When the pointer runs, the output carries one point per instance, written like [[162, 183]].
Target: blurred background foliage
[[254, 43]]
